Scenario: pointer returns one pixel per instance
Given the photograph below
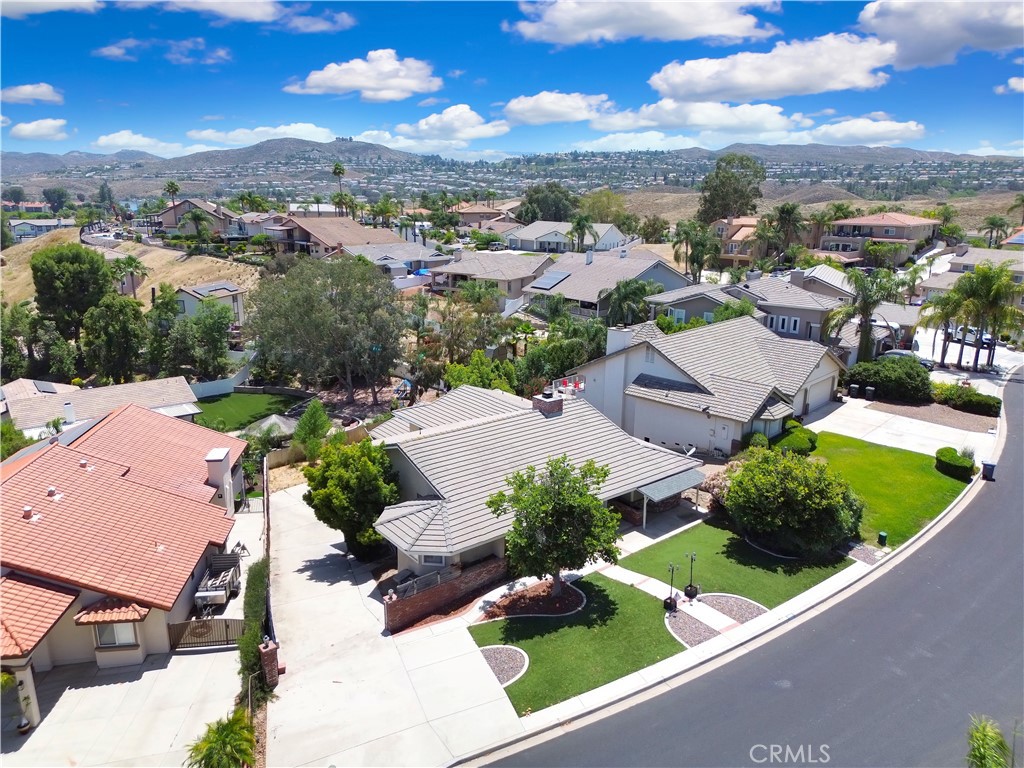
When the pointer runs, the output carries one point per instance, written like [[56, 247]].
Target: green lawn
[[726, 563], [902, 490], [620, 630], [239, 411]]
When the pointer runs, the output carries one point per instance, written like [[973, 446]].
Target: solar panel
[[47, 387], [1017, 239], [549, 280]]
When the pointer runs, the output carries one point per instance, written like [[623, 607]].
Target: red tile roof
[[31, 607], [110, 610], [161, 451], [890, 219], [133, 523]]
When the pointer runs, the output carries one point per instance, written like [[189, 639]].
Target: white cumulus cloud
[[122, 50], [127, 139], [556, 107], [4, 121], [625, 142], [929, 34], [49, 129], [328, 22], [457, 122], [422, 146], [701, 115], [1013, 85], [833, 62], [860, 130], [570, 22], [986, 148], [19, 9], [381, 76], [432, 101], [44, 93], [245, 136], [228, 10]]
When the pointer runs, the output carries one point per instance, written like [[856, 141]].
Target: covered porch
[[657, 497]]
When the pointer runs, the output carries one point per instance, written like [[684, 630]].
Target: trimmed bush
[[758, 440], [967, 399], [254, 611], [797, 439], [894, 378], [951, 463]]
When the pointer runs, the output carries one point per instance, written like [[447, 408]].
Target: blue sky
[[487, 79]]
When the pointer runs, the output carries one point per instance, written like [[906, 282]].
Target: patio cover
[[660, 490]]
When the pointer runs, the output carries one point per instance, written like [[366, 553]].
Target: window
[[889, 231], [782, 323], [732, 247], [771, 322], [794, 325], [432, 559], [679, 315], [181, 307], [721, 231], [709, 317], [649, 355], [113, 635]]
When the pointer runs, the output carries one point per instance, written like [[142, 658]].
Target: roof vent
[[26, 512], [51, 491], [83, 462]]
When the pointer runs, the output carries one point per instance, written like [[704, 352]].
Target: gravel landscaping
[[537, 600], [505, 661], [689, 630], [936, 413], [736, 608]]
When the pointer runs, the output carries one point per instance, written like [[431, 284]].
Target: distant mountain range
[[26, 164], [827, 153]]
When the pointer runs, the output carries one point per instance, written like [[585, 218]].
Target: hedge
[[254, 611], [951, 463], [967, 399], [754, 440], [894, 378], [798, 439]]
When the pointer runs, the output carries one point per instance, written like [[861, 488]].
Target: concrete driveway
[[352, 694]]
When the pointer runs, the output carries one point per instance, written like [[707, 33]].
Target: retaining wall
[[404, 611]]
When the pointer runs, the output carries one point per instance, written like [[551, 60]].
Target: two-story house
[[221, 220], [225, 292], [323, 237], [850, 235]]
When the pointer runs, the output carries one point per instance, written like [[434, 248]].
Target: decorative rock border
[[736, 607], [688, 630], [582, 594], [507, 662]]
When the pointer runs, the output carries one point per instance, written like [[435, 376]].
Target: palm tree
[[768, 234], [171, 189], [990, 302], [387, 208], [555, 308], [882, 254], [868, 292], [491, 196], [317, 200], [338, 201], [199, 219], [227, 743], [1018, 205], [129, 265], [995, 226], [913, 276], [685, 233], [627, 301], [338, 171], [821, 222], [581, 227], [705, 250], [349, 204], [840, 210], [790, 222], [940, 313]]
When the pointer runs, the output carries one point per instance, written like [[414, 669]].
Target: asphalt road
[[888, 677]]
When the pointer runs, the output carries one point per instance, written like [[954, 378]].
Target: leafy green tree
[[653, 229], [868, 292], [311, 430], [200, 221], [349, 489], [15, 339], [12, 439], [182, 349], [793, 504], [226, 743], [559, 522], [443, 219], [627, 301], [768, 235], [6, 236], [263, 241], [115, 332], [212, 321], [15, 194], [604, 207], [986, 745], [70, 280], [483, 372], [171, 189], [733, 309], [159, 319], [731, 189], [57, 198], [484, 297], [882, 254], [990, 300], [549, 201]]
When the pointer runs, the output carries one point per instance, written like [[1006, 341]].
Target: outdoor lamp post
[[690, 590], [670, 601]]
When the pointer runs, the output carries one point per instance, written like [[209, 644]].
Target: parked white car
[[967, 335]]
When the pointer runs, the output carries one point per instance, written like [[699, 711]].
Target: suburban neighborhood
[[397, 448]]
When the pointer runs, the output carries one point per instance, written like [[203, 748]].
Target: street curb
[[954, 508]]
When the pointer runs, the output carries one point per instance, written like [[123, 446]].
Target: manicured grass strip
[[902, 490], [239, 411], [620, 630], [726, 563]]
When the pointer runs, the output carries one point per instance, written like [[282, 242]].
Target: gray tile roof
[[586, 281], [942, 281], [34, 412], [712, 291], [488, 265], [829, 275], [465, 403], [778, 292], [468, 464], [539, 229], [906, 315], [975, 256], [399, 251], [724, 397]]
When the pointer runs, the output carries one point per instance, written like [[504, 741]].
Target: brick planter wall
[[403, 611]]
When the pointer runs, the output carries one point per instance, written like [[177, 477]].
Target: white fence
[[221, 386], [411, 281]]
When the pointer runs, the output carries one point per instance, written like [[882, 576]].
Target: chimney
[[796, 278], [590, 256], [619, 338], [548, 403], [69, 413], [752, 274], [728, 223], [218, 209], [218, 474]]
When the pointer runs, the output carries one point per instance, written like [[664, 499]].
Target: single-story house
[[476, 214], [22, 229], [107, 535], [456, 452], [220, 219], [400, 259], [707, 387], [223, 291], [581, 277], [171, 397], [20, 389], [511, 271], [323, 237], [554, 237], [823, 279]]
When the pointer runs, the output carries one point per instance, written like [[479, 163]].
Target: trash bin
[[883, 537], [988, 470], [869, 393], [855, 390]]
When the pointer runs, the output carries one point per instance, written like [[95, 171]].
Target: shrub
[[254, 611], [77, 382], [967, 451], [894, 378], [717, 486], [756, 440], [798, 439], [951, 463], [967, 399]]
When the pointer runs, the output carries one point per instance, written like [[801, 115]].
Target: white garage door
[[819, 394]]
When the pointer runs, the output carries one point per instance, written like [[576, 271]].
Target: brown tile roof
[[30, 608], [161, 451], [887, 219], [111, 610], [333, 231]]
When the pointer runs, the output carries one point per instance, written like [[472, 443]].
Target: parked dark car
[[924, 361]]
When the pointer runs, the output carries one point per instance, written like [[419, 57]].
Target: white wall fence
[[410, 281], [221, 386]]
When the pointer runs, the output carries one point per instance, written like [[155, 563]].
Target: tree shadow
[[331, 568], [740, 552], [600, 609]]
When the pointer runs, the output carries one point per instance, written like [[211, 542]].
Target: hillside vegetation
[[165, 265]]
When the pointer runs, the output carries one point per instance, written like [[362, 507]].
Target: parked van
[[496, 247]]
